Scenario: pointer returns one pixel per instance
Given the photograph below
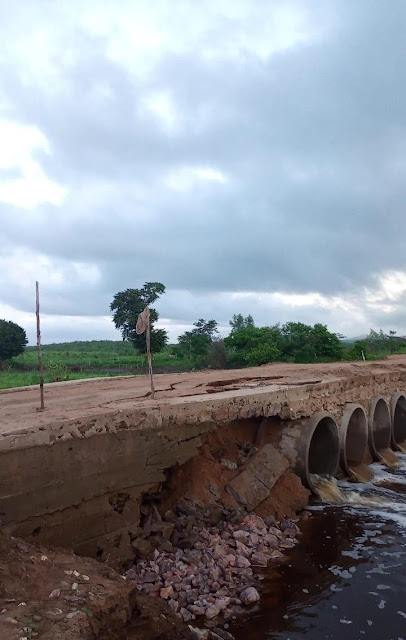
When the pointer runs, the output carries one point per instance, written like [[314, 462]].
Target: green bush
[[12, 340]]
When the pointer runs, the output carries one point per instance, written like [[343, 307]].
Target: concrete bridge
[[75, 475]]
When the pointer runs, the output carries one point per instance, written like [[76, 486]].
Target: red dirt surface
[[70, 400], [56, 595], [288, 496], [204, 477]]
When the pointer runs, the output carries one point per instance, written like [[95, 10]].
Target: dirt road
[[77, 399]]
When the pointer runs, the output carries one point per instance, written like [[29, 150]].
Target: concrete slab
[[85, 408]]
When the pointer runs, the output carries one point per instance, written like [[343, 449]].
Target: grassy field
[[93, 359], [75, 360]]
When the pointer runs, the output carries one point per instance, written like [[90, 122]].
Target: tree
[[297, 342], [12, 340], [205, 328], [291, 342], [359, 350], [128, 304], [195, 345], [250, 346], [327, 345], [239, 322], [304, 343]]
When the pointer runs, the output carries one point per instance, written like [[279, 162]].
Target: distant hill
[[351, 340]]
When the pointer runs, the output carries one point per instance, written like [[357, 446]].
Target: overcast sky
[[249, 154]]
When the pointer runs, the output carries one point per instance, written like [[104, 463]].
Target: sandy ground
[[79, 398]]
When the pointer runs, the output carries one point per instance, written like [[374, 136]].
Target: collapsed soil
[[204, 478], [56, 595]]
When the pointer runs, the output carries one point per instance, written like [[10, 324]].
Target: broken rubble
[[257, 477], [215, 578]]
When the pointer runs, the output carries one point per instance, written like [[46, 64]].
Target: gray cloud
[[311, 142]]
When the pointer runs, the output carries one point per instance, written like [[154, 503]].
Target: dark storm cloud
[[311, 143]]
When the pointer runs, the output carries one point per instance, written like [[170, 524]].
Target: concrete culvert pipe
[[354, 442], [312, 446], [379, 428], [398, 410]]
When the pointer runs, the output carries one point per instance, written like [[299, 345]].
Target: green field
[[75, 360], [102, 358]]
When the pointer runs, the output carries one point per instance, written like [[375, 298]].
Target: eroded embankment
[[54, 595], [195, 552], [137, 463], [201, 537], [144, 486]]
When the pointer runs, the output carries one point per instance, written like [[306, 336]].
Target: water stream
[[361, 472], [347, 576]]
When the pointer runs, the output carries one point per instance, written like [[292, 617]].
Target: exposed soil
[[204, 478], [54, 594], [287, 498]]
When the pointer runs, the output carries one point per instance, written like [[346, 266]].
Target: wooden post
[[41, 366], [151, 377], [144, 326]]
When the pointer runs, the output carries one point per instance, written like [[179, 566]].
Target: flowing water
[[347, 576], [390, 458], [361, 472]]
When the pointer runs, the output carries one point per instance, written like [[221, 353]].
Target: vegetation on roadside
[[375, 345], [248, 345], [87, 359]]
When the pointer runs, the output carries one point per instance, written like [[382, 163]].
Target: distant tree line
[[375, 345], [202, 346], [247, 344]]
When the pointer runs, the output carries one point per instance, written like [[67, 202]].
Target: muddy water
[[361, 473], [347, 577]]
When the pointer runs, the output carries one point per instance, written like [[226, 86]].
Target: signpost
[[144, 326]]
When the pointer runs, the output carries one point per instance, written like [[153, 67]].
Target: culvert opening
[[379, 428], [324, 449], [354, 443], [356, 438], [399, 422]]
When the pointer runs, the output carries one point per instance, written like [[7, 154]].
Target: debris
[[209, 572]]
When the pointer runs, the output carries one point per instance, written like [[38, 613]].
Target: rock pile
[[211, 572]]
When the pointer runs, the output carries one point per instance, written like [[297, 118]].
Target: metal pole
[[41, 366]]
